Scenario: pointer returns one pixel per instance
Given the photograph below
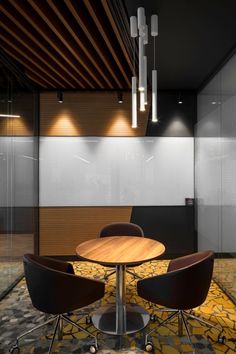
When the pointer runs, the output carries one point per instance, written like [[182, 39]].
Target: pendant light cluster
[[139, 28]]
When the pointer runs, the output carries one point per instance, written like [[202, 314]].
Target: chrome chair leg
[[14, 346], [108, 275], [180, 324], [60, 329], [36, 327], [80, 328], [187, 329], [133, 274], [202, 321], [161, 324], [54, 333]]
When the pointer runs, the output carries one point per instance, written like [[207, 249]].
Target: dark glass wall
[[18, 173]]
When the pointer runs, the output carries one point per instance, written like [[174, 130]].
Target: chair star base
[[58, 328], [183, 317]]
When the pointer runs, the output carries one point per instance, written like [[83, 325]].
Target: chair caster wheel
[[88, 320], [221, 339], [149, 347], [14, 349], [153, 317], [93, 349]]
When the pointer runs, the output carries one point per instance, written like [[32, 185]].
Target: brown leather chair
[[184, 287], [122, 229], [54, 289]]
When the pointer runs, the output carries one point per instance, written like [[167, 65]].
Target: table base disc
[[104, 319]]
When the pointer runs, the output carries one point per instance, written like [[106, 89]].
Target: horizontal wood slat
[[83, 47], [62, 229], [89, 114]]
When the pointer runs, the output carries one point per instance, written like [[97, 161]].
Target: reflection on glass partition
[[215, 171], [112, 171], [18, 176]]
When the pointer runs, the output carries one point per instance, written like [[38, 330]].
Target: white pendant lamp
[[134, 102], [139, 28], [134, 34], [154, 33]]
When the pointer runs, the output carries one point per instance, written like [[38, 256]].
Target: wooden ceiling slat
[[116, 30], [67, 44], [28, 67], [76, 37], [92, 39], [107, 40], [31, 53], [44, 14], [39, 81], [23, 29], [25, 54], [39, 28]]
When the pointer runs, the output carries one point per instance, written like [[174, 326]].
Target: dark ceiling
[[195, 36], [85, 44]]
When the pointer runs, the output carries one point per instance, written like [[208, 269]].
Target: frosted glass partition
[[102, 171], [215, 146], [18, 156]]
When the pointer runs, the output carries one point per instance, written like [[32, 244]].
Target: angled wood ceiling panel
[[67, 44]]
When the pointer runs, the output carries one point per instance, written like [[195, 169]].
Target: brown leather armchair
[[184, 287], [122, 229], [54, 289]]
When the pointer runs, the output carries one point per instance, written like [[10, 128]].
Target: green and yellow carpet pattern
[[18, 315]]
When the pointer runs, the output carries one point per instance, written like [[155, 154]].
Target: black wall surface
[[172, 225]]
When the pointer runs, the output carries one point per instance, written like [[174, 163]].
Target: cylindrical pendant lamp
[[141, 18], [141, 65], [154, 96], [142, 101], [154, 25], [133, 27], [134, 102], [145, 80]]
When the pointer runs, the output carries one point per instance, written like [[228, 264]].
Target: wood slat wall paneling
[[62, 229], [89, 114]]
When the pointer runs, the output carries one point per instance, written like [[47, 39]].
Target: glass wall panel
[[215, 172], [18, 175]]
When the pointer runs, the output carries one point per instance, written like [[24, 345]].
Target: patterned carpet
[[18, 315]]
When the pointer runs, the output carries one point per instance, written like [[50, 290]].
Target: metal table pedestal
[[120, 318]]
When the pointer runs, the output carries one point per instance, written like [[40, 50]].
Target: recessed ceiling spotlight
[[120, 96], [213, 102], [9, 92], [180, 101], [60, 96]]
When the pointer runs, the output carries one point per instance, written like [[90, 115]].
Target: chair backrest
[[121, 229], [54, 289], [184, 286]]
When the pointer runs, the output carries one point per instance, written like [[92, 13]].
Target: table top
[[115, 250]]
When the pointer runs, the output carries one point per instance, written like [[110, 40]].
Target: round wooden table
[[120, 251]]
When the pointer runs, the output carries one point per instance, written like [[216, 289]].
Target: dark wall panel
[[175, 120], [171, 225]]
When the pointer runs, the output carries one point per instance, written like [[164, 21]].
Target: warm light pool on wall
[[139, 28]]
